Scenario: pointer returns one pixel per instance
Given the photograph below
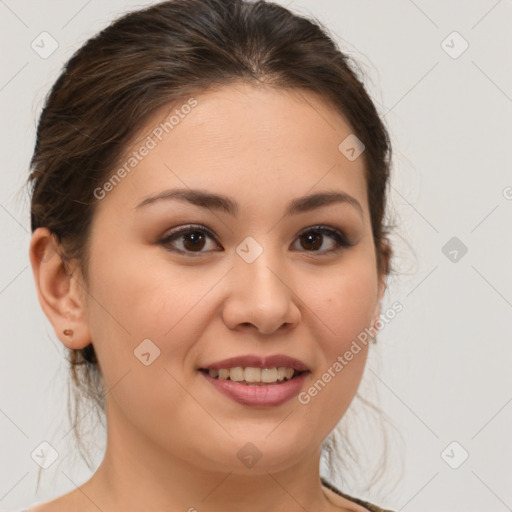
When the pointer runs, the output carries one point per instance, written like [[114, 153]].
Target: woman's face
[[257, 280]]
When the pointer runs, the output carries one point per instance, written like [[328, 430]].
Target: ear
[[383, 270], [60, 289]]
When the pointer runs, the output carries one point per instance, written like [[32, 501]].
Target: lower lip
[[267, 395]]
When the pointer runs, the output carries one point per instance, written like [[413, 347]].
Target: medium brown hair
[[152, 58]]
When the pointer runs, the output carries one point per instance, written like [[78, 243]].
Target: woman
[[209, 188]]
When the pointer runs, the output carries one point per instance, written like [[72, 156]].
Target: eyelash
[[338, 236]]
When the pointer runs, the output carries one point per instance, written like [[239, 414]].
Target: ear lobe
[[59, 289]]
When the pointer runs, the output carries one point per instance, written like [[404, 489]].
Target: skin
[[172, 437]]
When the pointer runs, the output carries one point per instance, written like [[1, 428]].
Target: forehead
[[239, 140]]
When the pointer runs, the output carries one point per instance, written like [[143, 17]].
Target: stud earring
[[67, 332], [373, 339]]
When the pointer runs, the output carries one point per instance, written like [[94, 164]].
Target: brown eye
[[193, 241], [189, 240], [313, 239]]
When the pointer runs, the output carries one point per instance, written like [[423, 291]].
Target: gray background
[[442, 366]]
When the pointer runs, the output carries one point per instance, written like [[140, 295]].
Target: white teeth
[[269, 375], [223, 373], [236, 374], [253, 375], [281, 373]]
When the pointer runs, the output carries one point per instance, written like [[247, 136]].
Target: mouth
[[257, 381], [252, 376]]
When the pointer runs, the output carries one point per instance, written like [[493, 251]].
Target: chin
[[257, 454]]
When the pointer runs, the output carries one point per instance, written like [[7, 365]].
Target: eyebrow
[[223, 203]]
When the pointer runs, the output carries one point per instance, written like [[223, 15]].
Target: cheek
[[344, 303], [342, 311], [133, 298], [142, 331]]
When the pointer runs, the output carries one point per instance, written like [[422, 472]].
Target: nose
[[261, 296]]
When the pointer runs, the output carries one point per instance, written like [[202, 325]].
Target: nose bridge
[[257, 264], [259, 293]]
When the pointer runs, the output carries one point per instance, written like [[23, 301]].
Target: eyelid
[[187, 229], [331, 231], [335, 233], [342, 241], [190, 227]]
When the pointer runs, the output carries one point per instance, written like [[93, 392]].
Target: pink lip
[[260, 362], [265, 395]]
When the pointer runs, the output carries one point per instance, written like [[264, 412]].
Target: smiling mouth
[[251, 376]]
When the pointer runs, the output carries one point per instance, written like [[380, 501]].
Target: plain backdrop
[[441, 75]]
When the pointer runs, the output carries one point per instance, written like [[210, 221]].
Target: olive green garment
[[369, 506]]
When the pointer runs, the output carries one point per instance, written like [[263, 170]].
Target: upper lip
[[255, 361]]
